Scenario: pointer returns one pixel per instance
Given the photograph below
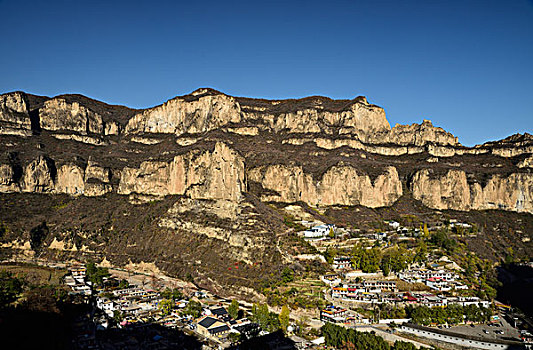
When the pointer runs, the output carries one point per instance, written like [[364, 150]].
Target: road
[[391, 337]]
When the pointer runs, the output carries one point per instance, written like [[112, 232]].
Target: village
[[355, 297]]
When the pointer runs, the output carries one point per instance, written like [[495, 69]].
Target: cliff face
[[357, 118], [453, 191], [183, 187], [14, 115], [340, 185], [179, 116], [207, 144], [209, 175]]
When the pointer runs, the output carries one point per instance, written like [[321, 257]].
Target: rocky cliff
[[207, 144], [339, 185], [202, 184]]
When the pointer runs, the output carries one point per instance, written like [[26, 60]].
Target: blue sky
[[466, 65]]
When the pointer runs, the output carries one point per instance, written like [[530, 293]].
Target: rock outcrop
[[356, 117], [204, 112], [14, 115], [453, 191], [59, 115], [206, 144], [209, 175], [340, 185]]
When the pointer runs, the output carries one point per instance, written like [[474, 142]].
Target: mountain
[[195, 185]]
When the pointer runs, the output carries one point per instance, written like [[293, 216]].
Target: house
[[331, 280], [378, 285], [132, 309], [318, 232], [78, 272], [394, 225], [342, 263], [210, 326], [434, 301], [70, 281], [83, 289], [333, 314], [438, 284], [221, 313], [465, 301]]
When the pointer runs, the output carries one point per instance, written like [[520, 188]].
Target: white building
[[318, 232]]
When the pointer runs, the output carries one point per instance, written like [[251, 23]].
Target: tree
[[234, 337], [301, 325], [421, 252], [194, 309], [233, 309], [165, 306], [385, 265], [284, 318], [96, 274], [37, 235], [118, 316], [123, 284], [425, 230], [331, 233], [370, 260], [287, 275], [10, 288]]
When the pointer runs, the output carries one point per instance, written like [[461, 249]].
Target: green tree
[[284, 318], [233, 309], [193, 308], [165, 306], [10, 288], [370, 260], [234, 338], [421, 252], [287, 275], [118, 316], [123, 284], [96, 274]]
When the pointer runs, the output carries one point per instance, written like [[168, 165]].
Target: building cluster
[[369, 291], [130, 302], [137, 305], [76, 279], [319, 232], [376, 291], [440, 280]]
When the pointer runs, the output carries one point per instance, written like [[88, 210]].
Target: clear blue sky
[[466, 65]]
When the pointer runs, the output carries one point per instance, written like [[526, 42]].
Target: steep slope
[[203, 166]]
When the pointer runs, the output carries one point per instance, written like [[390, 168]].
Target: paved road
[[388, 336], [486, 331]]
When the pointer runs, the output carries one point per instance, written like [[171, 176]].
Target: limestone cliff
[[213, 175], [204, 146], [340, 185], [14, 115], [59, 115], [318, 115], [453, 191], [217, 174], [201, 113]]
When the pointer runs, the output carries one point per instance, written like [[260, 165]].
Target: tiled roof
[[219, 329], [207, 322], [219, 311]]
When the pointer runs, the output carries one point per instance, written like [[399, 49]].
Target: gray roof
[[219, 329], [207, 322]]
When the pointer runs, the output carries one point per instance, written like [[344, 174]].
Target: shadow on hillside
[[276, 340], [26, 329], [517, 287]]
